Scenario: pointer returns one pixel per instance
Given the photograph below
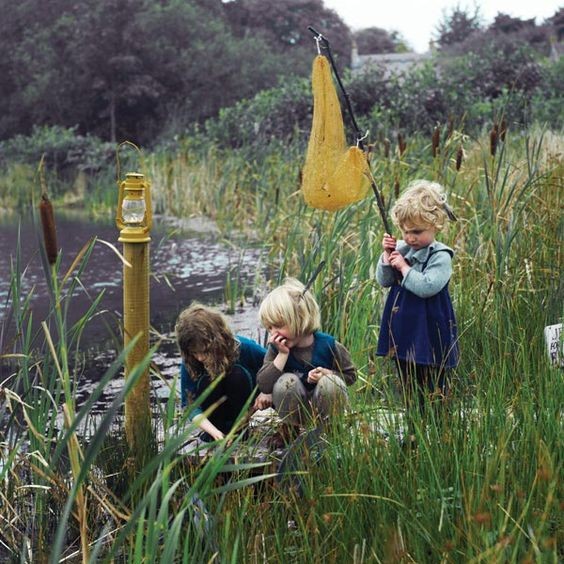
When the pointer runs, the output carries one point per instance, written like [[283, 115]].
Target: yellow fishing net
[[333, 176]]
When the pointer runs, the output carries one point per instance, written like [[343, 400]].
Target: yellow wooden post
[[134, 219]]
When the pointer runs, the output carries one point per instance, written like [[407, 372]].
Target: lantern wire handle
[[118, 163]]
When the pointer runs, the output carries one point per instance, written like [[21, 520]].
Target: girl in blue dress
[[418, 328], [211, 351]]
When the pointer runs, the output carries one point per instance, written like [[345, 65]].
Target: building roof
[[392, 63]]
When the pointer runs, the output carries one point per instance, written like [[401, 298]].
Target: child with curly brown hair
[[210, 351]]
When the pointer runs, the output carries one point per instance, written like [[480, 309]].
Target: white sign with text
[[555, 344]]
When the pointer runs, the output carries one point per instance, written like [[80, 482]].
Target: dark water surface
[[188, 262]]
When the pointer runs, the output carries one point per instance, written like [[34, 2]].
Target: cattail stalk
[[459, 157], [503, 129], [402, 145], [386, 143], [494, 137], [435, 141], [450, 128]]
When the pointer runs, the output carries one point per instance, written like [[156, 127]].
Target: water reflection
[[186, 265]]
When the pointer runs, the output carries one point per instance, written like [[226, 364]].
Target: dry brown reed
[[402, 144], [435, 141]]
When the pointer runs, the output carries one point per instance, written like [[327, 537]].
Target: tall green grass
[[483, 484], [71, 489]]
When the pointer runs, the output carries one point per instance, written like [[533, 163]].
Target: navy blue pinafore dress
[[419, 330]]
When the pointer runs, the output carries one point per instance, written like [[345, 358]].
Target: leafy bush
[[63, 149], [547, 104], [490, 70], [272, 113], [500, 77]]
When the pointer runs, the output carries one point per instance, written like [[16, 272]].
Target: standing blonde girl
[[418, 328]]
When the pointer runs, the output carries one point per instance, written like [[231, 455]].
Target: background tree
[[36, 76], [283, 24], [457, 26], [556, 22], [525, 31], [372, 40], [129, 69]]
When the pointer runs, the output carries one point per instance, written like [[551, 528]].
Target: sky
[[416, 20]]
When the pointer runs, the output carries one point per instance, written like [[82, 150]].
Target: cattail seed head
[[386, 143], [503, 129], [402, 145], [494, 136], [49, 228], [435, 140], [396, 188], [482, 517], [459, 157]]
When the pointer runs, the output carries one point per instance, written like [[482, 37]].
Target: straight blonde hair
[[289, 305]]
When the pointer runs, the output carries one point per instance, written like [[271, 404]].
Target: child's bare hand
[[263, 401], [280, 343], [397, 261], [217, 435], [389, 243], [316, 374]]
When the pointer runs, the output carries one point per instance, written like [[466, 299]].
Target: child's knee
[[331, 386], [289, 396], [287, 384], [330, 394]]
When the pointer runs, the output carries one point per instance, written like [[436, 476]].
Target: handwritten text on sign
[[555, 344]]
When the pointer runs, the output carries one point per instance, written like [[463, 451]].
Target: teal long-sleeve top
[[251, 356]]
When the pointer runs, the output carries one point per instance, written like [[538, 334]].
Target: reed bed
[[483, 484]]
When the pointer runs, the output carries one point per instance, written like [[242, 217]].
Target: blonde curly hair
[[290, 306], [422, 203], [203, 330]]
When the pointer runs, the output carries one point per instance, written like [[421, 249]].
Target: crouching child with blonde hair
[[306, 371]]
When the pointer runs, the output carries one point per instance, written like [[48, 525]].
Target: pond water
[[188, 262]]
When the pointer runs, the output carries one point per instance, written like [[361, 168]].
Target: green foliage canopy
[[131, 69], [372, 40]]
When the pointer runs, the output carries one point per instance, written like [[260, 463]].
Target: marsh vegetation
[[483, 484]]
